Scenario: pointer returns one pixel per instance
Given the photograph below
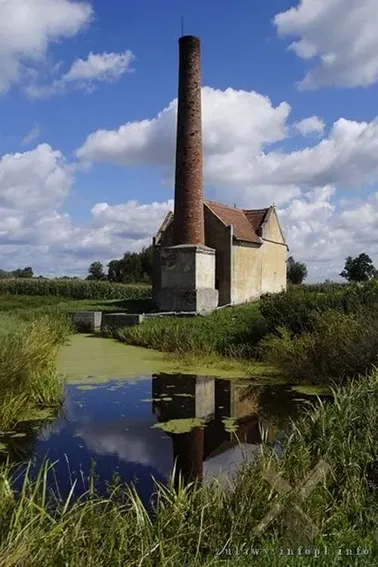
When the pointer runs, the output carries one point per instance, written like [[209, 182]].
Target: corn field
[[74, 289]]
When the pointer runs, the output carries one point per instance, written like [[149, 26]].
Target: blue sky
[[87, 149]]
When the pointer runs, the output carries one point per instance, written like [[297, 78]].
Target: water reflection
[[139, 428], [233, 417]]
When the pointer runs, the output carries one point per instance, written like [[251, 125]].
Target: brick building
[[207, 254]]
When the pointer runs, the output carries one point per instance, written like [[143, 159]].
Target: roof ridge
[[256, 210], [237, 208], [222, 205]]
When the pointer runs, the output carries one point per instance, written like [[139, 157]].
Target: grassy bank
[[232, 332], [192, 525], [28, 350], [310, 333]]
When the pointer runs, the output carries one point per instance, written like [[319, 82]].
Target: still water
[[137, 428]]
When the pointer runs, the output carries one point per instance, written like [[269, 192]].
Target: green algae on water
[[230, 424], [312, 390], [180, 425], [39, 414], [183, 395], [90, 359]]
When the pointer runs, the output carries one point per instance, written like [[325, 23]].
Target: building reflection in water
[[212, 401]]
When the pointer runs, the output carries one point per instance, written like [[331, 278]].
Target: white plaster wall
[[273, 267], [205, 269], [246, 273], [205, 397]]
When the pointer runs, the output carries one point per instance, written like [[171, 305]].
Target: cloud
[[32, 136], [35, 230], [35, 180], [310, 126], [85, 73], [237, 125], [239, 129], [339, 36], [245, 163], [231, 119], [322, 235], [29, 27], [105, 67]]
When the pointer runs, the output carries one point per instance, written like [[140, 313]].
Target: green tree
[[134, 267], [296, 271], [114, 271], [131, 268], [146, 257], [25, 273], [96, 272], [359, 269]]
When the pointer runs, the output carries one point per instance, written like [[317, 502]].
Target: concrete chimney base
[[187, 279]]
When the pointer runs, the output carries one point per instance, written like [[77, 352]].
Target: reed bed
[[28, 349]]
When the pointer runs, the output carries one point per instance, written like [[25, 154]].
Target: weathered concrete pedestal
[[187, 279]]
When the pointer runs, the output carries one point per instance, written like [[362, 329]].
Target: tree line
[[136, 267], [25, 273], [133, 267], [358, 269]]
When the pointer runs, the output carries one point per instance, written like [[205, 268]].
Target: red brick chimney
[[189, 225]]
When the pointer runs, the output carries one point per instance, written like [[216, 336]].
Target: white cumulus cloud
[[28, 27], [84, 74], [338, 36], [309, 126]]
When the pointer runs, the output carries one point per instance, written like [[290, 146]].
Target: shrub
[[74, 289], [338, 346], [294, 309]]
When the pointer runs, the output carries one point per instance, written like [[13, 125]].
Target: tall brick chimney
[[188, 211]]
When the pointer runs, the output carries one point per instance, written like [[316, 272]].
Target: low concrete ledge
[[86, 321], [119, 320], [91, 321]]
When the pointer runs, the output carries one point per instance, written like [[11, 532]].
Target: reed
[[28, 350]]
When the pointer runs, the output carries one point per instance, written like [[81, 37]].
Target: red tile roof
[[245, 222]]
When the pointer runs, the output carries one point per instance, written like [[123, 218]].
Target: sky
[[88, 114]]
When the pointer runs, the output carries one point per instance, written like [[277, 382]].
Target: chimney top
[[189, 38]]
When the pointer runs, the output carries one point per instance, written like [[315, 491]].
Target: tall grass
[[28, 349], [228, 332], [75, 289], [337, 347], [190, 525]]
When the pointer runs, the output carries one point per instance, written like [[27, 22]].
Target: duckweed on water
[[230, 424], [180, 425], [89, 359]]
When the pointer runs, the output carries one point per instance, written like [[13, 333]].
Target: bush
[[339, 346], [295, 308], [74, 289]]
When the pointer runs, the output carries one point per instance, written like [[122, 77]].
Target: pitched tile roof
[[245, 222]]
